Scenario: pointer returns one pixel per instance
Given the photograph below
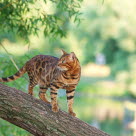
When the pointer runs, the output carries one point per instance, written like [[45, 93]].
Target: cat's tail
[[15, 76]]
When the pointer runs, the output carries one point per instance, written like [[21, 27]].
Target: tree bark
[[36, 116]]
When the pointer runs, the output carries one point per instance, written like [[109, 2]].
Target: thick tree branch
[[36, 116]]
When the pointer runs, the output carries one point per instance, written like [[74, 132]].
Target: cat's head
[[67, 61]]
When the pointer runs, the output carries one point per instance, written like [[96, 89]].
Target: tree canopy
[[26, 17]]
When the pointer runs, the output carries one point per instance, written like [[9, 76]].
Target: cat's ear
[[64, 52], [72, 56]]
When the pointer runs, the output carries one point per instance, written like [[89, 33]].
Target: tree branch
[[36, 116]]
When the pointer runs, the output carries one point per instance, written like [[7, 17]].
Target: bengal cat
[[54, 73]]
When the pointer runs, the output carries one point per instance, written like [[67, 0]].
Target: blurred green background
[[105, 43]]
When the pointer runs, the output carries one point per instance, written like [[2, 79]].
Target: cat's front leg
[[54, 92], [70, 99]]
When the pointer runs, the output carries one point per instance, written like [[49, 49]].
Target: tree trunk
[[36, 116]]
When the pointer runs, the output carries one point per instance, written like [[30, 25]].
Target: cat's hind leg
[[42, 94], [30, 89], [32, 83]]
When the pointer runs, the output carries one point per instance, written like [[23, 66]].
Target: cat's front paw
[[55, 108], [72, 113], [30, 93]]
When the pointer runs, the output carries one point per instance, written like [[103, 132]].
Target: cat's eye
[[63, 61]]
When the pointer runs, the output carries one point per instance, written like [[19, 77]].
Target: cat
[[54, 73]]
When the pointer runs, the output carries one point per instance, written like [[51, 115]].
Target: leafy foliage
[[26, 17]]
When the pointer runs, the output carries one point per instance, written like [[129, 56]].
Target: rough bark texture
[[36, 116]]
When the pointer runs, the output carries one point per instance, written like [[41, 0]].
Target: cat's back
[[41, 61]]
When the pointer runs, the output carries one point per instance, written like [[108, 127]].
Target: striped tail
[[15, 76]]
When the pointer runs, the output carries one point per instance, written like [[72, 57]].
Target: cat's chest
[[67, 81]]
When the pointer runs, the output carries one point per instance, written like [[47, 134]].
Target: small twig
[[12, 60], [9, 56], [8, 5]]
